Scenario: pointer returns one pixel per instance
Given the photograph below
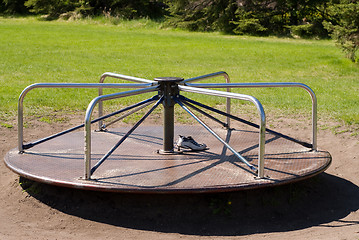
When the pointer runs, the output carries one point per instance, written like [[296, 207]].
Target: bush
[[304, 31], [250, 26], [53, 8]]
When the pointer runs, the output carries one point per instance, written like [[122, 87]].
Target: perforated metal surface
[[137, 167]]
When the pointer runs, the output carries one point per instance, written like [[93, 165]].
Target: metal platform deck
[[137, 167]]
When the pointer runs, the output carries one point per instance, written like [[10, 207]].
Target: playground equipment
[[143, 157]]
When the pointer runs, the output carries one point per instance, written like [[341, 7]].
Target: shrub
[[52, 8], [250, 26], [304, 31]]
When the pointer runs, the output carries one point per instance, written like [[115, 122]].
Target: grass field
[[80, 51]]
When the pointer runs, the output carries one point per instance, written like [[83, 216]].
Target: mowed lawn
[[34, 51]]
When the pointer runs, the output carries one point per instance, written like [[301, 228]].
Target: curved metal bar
[[20, 108], [93, 169], [87, 120], [118, 76], [275, 85], [262, 125], [207, 76], [139, 105], [218, 137], [186, 82], [124, 77], [187, 101]]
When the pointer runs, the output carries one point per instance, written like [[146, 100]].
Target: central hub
[[168, 79], [168, 89]]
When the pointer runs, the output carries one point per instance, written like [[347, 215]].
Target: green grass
[[80, 51]]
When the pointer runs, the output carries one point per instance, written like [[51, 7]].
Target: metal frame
[[274, 85], [192, 103], [117, 76], [168, 94], [213, 75], [93, 169], [262, 126], [143, 80], [261, 162], [60, 85], [87, 120]]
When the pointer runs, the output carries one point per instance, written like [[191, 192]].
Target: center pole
[[168, 89]]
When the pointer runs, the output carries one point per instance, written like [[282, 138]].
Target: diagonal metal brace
[[216, 135], [93, 169]]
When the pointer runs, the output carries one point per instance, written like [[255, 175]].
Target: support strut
[[169, 90]]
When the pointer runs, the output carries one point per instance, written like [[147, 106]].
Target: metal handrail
[[239, 156], [145, 85], [124, 137], [207, 76], [118, 76], [186, 82], [124, 77], [87, 121], [61, 85], [271, 85], [262, 125]]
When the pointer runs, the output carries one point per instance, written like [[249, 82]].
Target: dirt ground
[[323, 207]]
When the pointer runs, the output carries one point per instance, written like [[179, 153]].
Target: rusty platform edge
[[92, 185]]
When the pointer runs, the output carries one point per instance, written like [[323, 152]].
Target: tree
[[344, 27], [13, 7], [54, 8], [202, 15], [126, 9], [255, 17]]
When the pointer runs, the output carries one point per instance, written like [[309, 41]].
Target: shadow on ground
[[316, 201]]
